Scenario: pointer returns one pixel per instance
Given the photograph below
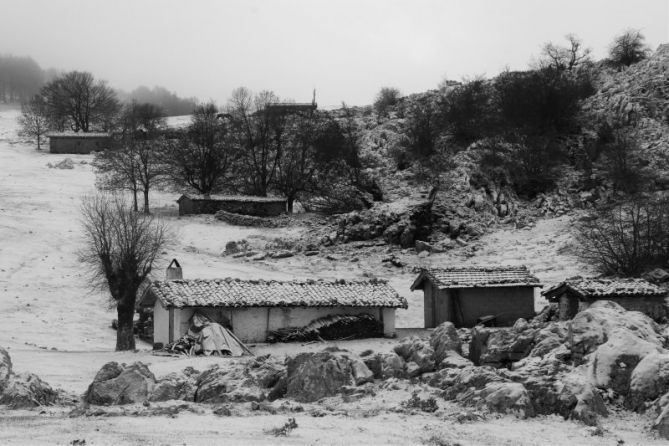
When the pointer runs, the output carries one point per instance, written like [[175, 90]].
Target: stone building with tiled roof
[[577, 293], [81, 142], [466, 296], [236, 204], [253, 308]]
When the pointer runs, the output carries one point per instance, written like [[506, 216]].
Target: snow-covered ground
[[54, 325]]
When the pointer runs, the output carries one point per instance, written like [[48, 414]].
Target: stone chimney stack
[[173, 271]]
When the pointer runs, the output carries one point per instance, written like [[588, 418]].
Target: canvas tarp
[[206, 337]]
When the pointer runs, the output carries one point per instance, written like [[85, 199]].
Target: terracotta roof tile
[[262, 293], [478, 277], [585, 287]]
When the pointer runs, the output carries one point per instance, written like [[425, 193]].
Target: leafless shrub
[[627, 238]]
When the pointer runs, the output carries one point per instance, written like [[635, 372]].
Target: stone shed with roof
[[79, 143], [236, 204], [468, 295], [253, 308], [578, 293]]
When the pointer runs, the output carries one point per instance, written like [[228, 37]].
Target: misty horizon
[[346, 51]]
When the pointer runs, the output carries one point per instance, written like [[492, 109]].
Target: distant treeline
[[170, 103], [21, 78]]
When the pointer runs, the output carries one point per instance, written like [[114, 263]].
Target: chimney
[[173, 271]]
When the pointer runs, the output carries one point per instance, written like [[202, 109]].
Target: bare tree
[[203, 158], [297, 167], [565, 58], [628, 48], [259, 133], [138, 165], [121, 248], [77, 100], [627, 238], [34, 119]]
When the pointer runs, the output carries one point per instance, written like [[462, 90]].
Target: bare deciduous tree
[[628, 48], [34, 119], [260, 136], [565, 58], [77, 100], [203, 157], [121, 248], [627, 238], [138, 165]]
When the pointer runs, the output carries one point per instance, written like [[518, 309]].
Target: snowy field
[[54, 325]]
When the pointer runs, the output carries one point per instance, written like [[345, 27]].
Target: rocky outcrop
[[385, 366], [118, 384], [418, 355], [176, 386], [649, 379], [27, 390], [312, 376], [594, 326], [443, 340], [613, 362], [500, 347]]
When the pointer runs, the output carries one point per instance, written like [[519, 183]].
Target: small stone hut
[[253, 308], [79, 143], [236, 204], [578, 293], [468, 295]]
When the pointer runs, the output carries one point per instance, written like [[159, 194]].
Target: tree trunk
[[290, 201], [146, 201], [125, 336], [134, 199], [39, 146]]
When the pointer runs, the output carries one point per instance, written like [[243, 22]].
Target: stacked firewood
[[333, 327]]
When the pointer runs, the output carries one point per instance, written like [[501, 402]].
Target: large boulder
[[386, 365], [508, 397], [500, 347], [5, 368], [592, 327], [613, 361], [649, 379], [217, 385], [550, 337], [443, 340], [556, 388], [134, 384], [661, 423], [456, 381], [312, 376], [418, 354], [27, 390], [176, 386]]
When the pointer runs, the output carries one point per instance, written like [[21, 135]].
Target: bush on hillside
[[628, 48], [386, 98], [628, 238], [469, 111]]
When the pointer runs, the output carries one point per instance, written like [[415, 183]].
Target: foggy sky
[[345, 49]]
